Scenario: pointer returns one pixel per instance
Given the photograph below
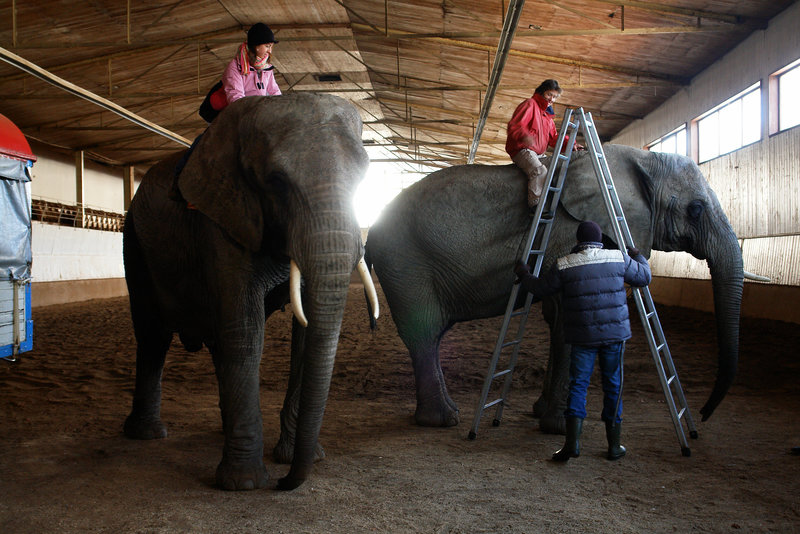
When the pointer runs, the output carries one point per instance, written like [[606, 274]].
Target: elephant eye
[[695, 209]]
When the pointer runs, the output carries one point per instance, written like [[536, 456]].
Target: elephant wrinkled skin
[[272, 180], [445, 248]]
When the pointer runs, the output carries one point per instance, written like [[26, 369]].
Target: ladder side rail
[[558, 164], [512, 364], [487, 383], [668, 393], [624, 237], [552, 194], [603, 174], [561, 164], [650, 305], [566, 125]]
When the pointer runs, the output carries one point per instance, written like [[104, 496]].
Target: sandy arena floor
[[66, 467]]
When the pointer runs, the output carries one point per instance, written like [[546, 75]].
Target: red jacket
[[531, 127]]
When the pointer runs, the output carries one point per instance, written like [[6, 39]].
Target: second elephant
[[444, 251]]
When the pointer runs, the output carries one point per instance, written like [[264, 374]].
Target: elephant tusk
[[756, 277], [294, 294], [369, 287]]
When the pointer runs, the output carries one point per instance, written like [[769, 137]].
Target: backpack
[[214, 102]]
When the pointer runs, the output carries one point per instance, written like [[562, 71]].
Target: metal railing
[[50, 212]]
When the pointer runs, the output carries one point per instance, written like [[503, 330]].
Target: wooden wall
[[759, 185]]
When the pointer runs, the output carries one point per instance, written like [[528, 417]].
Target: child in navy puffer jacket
[[592, 280]]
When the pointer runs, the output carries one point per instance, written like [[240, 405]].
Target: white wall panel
[[63, 253], [53, 178]]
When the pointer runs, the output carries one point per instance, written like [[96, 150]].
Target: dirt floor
[[66, 467]]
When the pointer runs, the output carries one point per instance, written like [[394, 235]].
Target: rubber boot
[[572, 445], [615, 450]]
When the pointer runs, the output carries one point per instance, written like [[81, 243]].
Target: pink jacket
[[531, 127], [255, 83]]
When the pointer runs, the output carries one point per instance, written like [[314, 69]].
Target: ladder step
[[498, 374], [670, 379], [511, 343], [661, 347], [680, 413], [493, 403]]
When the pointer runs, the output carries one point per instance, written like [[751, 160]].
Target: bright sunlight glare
[[381, 184]]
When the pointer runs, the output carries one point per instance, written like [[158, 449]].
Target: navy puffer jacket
[[592, 281]]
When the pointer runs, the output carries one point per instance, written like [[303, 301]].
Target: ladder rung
[[670, 379], [661, 347], [518, 313], [680, 413], [511, 343], [490, 404], [498, 374]]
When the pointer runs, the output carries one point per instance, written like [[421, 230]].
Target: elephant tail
[[373, 323]]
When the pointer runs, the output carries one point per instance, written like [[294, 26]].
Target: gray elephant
[[272, 181], [445, 248]]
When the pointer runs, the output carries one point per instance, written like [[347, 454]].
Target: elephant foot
[[553, 424], [144, 428], [283, 453], [440, 415], [242, 476]]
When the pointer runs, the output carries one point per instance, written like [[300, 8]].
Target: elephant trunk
[[327, 279], [727, 276]]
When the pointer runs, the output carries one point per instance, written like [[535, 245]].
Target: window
[[731, 125], [788, 89], [672, 143]]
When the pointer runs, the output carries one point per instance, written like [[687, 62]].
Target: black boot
[[615, 450], [572, 445]]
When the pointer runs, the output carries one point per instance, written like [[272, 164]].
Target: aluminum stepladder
[[668, 376]]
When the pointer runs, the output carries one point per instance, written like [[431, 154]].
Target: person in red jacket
[[530, 131]]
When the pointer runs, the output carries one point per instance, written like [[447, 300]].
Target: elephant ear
[[630, 171], [213, 180]]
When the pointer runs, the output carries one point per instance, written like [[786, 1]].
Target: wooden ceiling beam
[[664, 8], [577, 32]]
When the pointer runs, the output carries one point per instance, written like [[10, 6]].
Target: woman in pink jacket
[[530, 131], [249, 73]]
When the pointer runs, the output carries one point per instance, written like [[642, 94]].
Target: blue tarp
[[15, 220]]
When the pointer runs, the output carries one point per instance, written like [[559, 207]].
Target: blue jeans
[[580, 371]]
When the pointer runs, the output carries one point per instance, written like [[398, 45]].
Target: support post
[[80, 215], [128, 184]]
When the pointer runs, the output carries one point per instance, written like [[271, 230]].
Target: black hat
[[259, 33], [589, 231]]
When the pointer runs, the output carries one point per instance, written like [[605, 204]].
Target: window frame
[[738, 97], [682, 128], [774, 98]]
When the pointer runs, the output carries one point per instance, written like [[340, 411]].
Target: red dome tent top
[[12, 143]]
